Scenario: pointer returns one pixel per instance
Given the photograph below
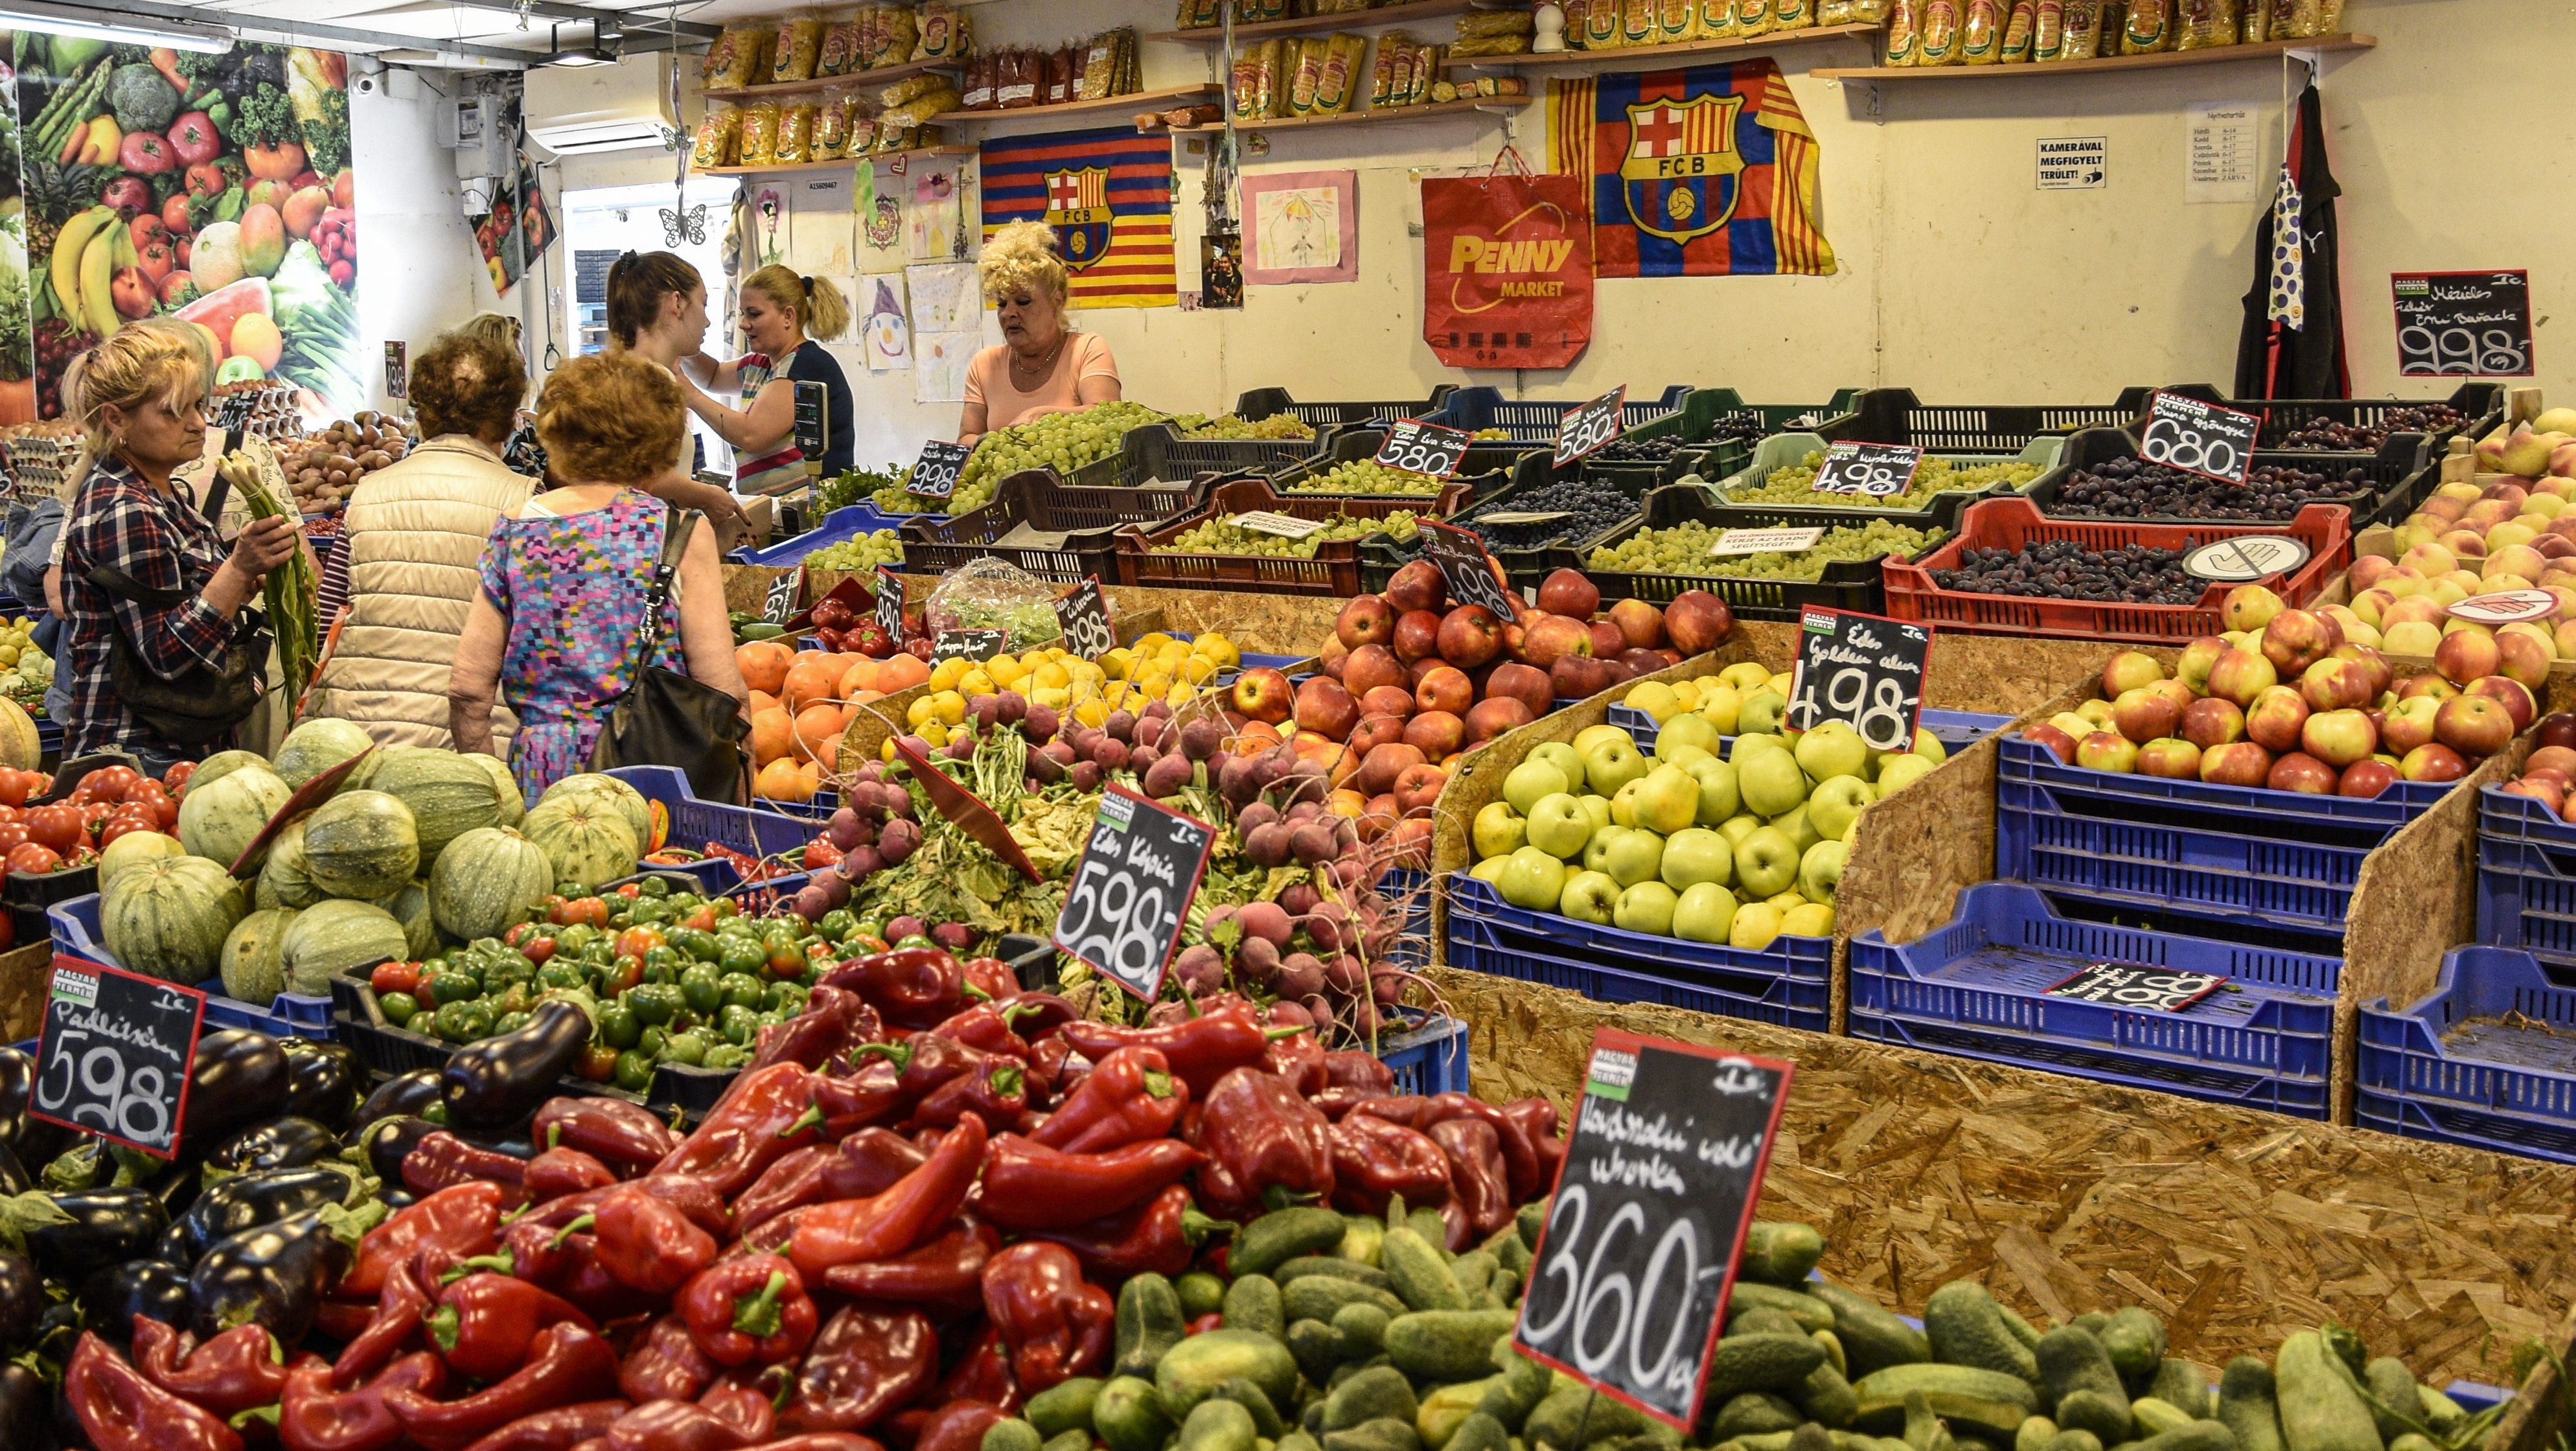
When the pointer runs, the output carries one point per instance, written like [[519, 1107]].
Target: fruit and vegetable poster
[[1705, 172], [213, 187], [515, 234]]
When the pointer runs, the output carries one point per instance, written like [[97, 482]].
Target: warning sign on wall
[[2074, 163]]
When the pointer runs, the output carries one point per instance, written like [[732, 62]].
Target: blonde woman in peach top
[[1042, 366]]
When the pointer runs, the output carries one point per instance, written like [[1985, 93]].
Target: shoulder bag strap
[[675, 542]]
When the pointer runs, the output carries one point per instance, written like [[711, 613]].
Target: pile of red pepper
[[908, 1215]]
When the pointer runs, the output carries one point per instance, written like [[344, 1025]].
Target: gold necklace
[[1039, 371]]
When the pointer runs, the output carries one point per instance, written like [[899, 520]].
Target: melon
[[410, 907], [167, 917], [316, 746], [586, 838], [629, 801], [488, 881], [338, 936], [514, 802], [448, 795], [361, 844], [134, 846], [218, 822], [284, 879], [19, 749], [219, 765], [362, 776], [254, 967]]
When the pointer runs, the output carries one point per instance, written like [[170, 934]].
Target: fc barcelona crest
[[1078, 209], [1681, 172]]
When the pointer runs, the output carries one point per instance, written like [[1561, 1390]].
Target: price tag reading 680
[[1131, 896], [114, 1057], [2199, 437], [1863, 670]]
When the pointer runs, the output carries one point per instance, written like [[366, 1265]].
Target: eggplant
[[273, 1275], [497, 1084], [241, 1203], [108, 1226], [13, 1174], [26, 1410], [281, 1143], [22, 1303], [34, 1141], [237, 1079], [404, 1093], [388, 1141], [175, 1248], [112, 1298], [322, 1082]]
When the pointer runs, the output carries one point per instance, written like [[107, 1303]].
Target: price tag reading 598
[[114, 1055], [1131, 896]]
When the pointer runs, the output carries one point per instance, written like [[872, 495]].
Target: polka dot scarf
[[2289, 287]]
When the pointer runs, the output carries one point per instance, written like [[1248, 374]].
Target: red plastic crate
[[2010, 523]]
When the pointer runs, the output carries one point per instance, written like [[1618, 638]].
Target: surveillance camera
[[364, 85]]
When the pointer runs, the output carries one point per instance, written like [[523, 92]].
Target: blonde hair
[[494, 327], [197, 337], [610, 417], [821, 311], [1022, 255], [138, 366], [75, 375]]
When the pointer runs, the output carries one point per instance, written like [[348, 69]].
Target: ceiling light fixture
[[601, 50], [97, 25]]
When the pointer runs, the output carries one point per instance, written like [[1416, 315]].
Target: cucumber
[[1445, 1344], [1149, 1323], [1253, 1303], [2399, 1409], [1445, 1408], [1420, 1272], [1369, 1395], [1923, 1431], [1321, 1297], [1434, 1230], [2247, 1404], [1383, 1434], [1012, 1434], [1524, 1384], [1361, 1236], [1966, 1328], [1810, 1312], [1064, 1406], [1988, 1403], [1320, 1350], [1479, 1432], [2198, 1436], [1217, 1424], [2185, 1387], [1755, 1413], [1762, 1363], [1299, 1440], [1781, 1252], [2136, 1341], [1872, 1338], [1129, 1415], [1282, 1234], [2093, 1320], [1572, 1410], [2320, 1409], [2440, 1411], [1362, 1328], [1192, 1370], [2022, 1330], [1265, 1416], [1811, 1437], [1827, 1397], [1201, 1293], [2075, 1441], [1762, 1320], [1473, 1271], [2108, 1416], [2035, 1434], [1531, 1219], [2072, 1360], [1333, 1266], [2152, 1417], [2413, 1441]]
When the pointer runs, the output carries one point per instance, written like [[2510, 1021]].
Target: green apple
[[1596, 852], [1832, 749], [1490, 871], [1695, 856], [1705, 913], [1565, 759], [1813, 919], [1531, 879], [1721, 704], [1834, 805], [1687, 730], [1612, 763], [1559, 826], [1596, 807], [1529, 781], [1746, 745], [1761, 713], [1929, 747], [1623, 806], [1770, 782], [1898, 772], [1820, 871], [1667, 800], [1766, 862], [1498, 830], [1589, 897], [1593, 735], [1646, 907], [1756, 924], [1633, 857], [1736, 828], [1683, 755], [1718, 799], [1794, 825]]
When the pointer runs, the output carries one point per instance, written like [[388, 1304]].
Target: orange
[[781, 781], [814, 677], [762, 700], [764, 664], [901, 672], [862, 675], [818, 731], [773, 735]]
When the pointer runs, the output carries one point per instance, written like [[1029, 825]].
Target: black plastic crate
[[2393, 472], [1032, 957], [1087, 516], [1532, 420], [1896, 415], [2481, 405], [1484, 471], [1159, 454], [1529, 566], [1845, 585], [1338, 567], [1260, 403]]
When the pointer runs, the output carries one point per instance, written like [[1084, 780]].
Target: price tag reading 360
[[1131, 896], [115, 1053], [1424, 448], [2200, 438], [1863, 670]]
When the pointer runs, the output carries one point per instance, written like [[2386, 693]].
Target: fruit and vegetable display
[[1590, 508], [2286, 703], [1276, 426], [2133, 488], [1367, 476], [1686, 548], [1626, 449], [2330, 435], [1796, 483], [108, 804], [327, 467], [214, 187], [852, 486], [2549, 772], [860, 554], [1223, 535], [26, 672], [1063, 442], [2138, 574]]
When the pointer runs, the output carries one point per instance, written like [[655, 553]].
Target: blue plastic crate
[[1789, 983], [2526, 877], [1975, 989], [2486, 1060], [1412, 889], [1479, 408], [839, 526], [1956, 730], [75, 929], [1428, 1056], [756, 831]]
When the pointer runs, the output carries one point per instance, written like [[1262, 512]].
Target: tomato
[[16, 787], [629, 891], [395, 977], [598, 1063], [702, 920], [557, 909], [32, 858], [124, 823], [588, 912], [164, 809], [176, 778], [58, 826], [109, 783], [636, 941], [626, 973], [13, 833]]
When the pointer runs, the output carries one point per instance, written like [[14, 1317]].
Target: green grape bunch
[[1060, 441], [864, 553], [1224, 536], [1368, 476], [1684, 549], [1796, 484], [1276, 426]]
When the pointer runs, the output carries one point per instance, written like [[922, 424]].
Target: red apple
[[1446, 688], [2058, 742], [1697, 620], [2213, 722], [1470, 636], [1436, 733], [1331, 657], [2144, 715], [2127, 671], [1387, 701], [2512, 694], [1526, 684], [2107, 751], [2558, 728], [2542, 789], [1639, 622], [2332, 684], [2241, 675], [2435, 762], [2561, 759], [1365, 620], [2298, 771], [2275, 719], [2173, 758], [2192, 669], [1578, 677], [2427, 684], [2338, 737], [2238, 763], [1642, 661], [2523, 658], [1325, 708], [2476, 726], [2464, 655], [2366, 779], [1607, 642], [1567, 592], [1494, 716], [1380, 767], [1263, 694], [2408, 724], [1371, 666], [1417, 586], [2373, 665], [1417, 635], [1374, 731], [2295, 640], [1551, 636]]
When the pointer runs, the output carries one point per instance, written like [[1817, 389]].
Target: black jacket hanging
[[2274, 359]]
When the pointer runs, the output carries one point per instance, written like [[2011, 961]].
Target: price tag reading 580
[[1863, 670], [1424, 448], [1131, 896], [115, 1054]]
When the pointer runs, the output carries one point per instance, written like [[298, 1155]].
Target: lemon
[[1197, 669], [1051, 675], [1218, 648], [945, 674], [935, 734], [885, 752], [919, 711], [1052, 698], [1179, 695], [949, 707], [977, 681], [1118, 663], [1006, 671], [1149, 643], [1091, 713]]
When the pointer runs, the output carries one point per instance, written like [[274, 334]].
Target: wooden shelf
[[1381, 113], [825, 83], [1309, 24], [1161, 100], [1640, 57], [2259, 50], [846, 163]]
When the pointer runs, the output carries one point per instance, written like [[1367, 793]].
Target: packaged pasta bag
[[759, 145], [2020, 23], [1793, 14], [940, 33], [831, 139], [1600, 25], [1259, 10], [1339, 88], [2310, 17], [1904, 32], [1752, 18], [895, 93], [1427, 64], [2202, 24], [921, 108], [1197, 15], [1101, 67], [795, 143], [1382, 65], [1870, 12], [2149, 28], [1981, 32], [2115, 17], [840, 52], [798, 42], [2048, 31], [746, 61], [2083, 29], [898, 37], [2254, 21], [1307, 80], [1833, 12], [719, 131], [1942, 34], [1717, 19], [1676, 21]]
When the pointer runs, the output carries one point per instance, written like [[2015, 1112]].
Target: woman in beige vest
[[414, 545]]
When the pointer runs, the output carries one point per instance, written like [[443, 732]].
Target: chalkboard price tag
[[784, 593], [2118, 986], [2463, 324], [114, 1055], [1468, 570], [1637, 1260], [1424, 448], [934, 474], [2200, 437], [1863, 670], [2245, 558], [977, 646], [1130, 898], [1085, 618], [1881, 470], [1588, 426], [890, 604], [397, 374], [237, 411]]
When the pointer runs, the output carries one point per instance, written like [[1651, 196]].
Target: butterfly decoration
[[684, 226]]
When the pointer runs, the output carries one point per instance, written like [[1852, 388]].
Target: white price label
[[1765, 541], [1263, 521]]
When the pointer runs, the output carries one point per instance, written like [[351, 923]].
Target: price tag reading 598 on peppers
[[115, 1053], [1131, 896]]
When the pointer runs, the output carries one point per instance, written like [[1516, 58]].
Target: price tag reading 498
[[1131, 896], [1863, 670]]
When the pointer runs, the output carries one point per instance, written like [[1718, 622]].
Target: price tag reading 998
[[934, 474], [890, 604], [2200, 438], [1424, 448], [2463, 324], [1131, 896], [114, 1056], [1636, 1262], [1863, 670]]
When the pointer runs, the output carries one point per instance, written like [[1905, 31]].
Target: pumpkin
[[167, 917], [514, 802], [218, 822], [630, 802], [219, 765], [19, 749], [586, 838], [448, 795], [410, 907], [254, 968], [133, 847], [316, 746], [284, 879], [361, 844], [338, 936], [488, 881]]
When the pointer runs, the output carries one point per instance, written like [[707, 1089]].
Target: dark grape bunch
[[1625, 450], [2062, 569], [1591, 509], [1743, 427], [2133, 488], [2327, 435]]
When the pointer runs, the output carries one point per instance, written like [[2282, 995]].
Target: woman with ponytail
[[783, 315]]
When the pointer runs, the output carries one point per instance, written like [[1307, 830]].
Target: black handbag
[[667, 719], [202, 704]]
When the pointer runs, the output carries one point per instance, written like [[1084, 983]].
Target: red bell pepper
[[1374, 1160], [1039, 1016], [945, 1274], [560, 1429], [666, 1365], [1520, 1158], [851, 1098], [996, 1090], [849, 1231], [561, 1171], [866, 1363], [923, 1063], [734, 1421], [343, 1319], [1128, 1097], [1259, 1136], [313, 1417], [911, 987], [643, 1243], [1200, 1050], [985, 1029], [772, 1236], [1048, 1078], [613, 1131], [759, 1121], [834, 1019], [794, 1180], [1056, 1324], [441, 1160], [995, 979], [958, 1426], [1537, 1118], [1030, 1186], [749, 1310], [824, 1441], [1354, 1069], [1299, 1059], [1160, 1235], [120, 1410], [531, 1251], [982, 1374], [565, 1364], [871, 1162], [1477, 1178], [484, 1323], [399, 1308], [466, 1218], [699, 1200], [230, 1373]]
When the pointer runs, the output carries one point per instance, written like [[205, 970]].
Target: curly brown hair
[[467, 383], [610, 418]]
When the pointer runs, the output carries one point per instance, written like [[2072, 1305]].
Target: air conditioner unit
[[578, 110]]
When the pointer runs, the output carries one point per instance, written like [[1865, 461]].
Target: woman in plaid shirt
[[143, 406]]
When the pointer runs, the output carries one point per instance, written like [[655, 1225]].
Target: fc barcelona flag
[[1706, 172], [1108, 194]]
